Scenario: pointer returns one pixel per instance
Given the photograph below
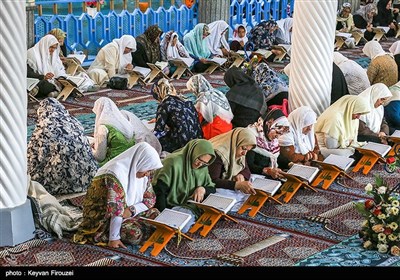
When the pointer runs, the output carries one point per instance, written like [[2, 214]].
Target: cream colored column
[[313, 38]]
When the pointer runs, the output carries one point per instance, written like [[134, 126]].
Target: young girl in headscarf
[[118, 196], [300, 144], [213, 107], [148, 47], [172, 48], [177, 121], [344, 18], [239, 39]]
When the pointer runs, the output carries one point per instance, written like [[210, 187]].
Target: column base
[[17, 224]]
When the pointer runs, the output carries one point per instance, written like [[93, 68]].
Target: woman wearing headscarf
[[245, 97], [229, 171], [196, 44], [44, 63], [363, 19], [118, 196], [212, 106], [395, 51], [172, 48], [185, 176], [112, 59], [392, 108], [337, 126], [285, 27], [239, 38], [386, 16], [344, 18], [113, 133], [372, 126], [216, 41], [59, 154], [263, 158], [383, 67], [356, 76], [148, 47], [300, 144], [177, 121], [275, 89]]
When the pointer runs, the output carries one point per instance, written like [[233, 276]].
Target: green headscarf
[[177, 172]]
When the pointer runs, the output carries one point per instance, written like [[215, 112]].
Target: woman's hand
[[116, 244], [273, 172], [245, 187], [49, 76], [198, 194]]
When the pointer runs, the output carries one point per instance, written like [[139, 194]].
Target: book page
[[172, 218], [242, 52], [381, 149], [79, 57], [266, 185], [340, 161], [383, 29], [31, 83], [396, 134], [161, 64], [219, 202], [141, 71], [218, 60], [263, 52], [76, 80], [303, 171], [343, 34], [188, 61]]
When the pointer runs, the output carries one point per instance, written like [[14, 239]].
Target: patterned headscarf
[[170, 52], [262, 36], [149, 41], [58, 33], [365, 11], [162, 89]]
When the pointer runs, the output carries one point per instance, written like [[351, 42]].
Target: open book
[[183, 61], [260, 183], [380, 149], [74, 81], [343, 35], [342, 162], [380, 29], [217, 60], [303, 172], [31, 83], [243, 53], [140, 71], [262, 52], [219, 202], [395, 134], [161, 64], [174, 219], [78, 58]]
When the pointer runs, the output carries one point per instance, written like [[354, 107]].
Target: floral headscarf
[[262, 35], [149, 41], [162, 89]]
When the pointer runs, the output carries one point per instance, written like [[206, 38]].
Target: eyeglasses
[[203, 163]]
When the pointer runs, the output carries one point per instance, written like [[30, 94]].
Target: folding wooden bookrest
[[180, 70], [328, 174], [135, 78], [290, 187], [255, 202], [339, 42], [237, 59], [155, 71], [208, 219], [398, 33], [379, 34], [160, 237], [284, 53], [73, 66], [69, 88], [213, 66], [358, 36], [368, 160]]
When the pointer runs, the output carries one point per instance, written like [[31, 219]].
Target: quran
[[395, 134], [217, 60], [304, 172], [183, 61], [219, 202], [78, 58], [264, 53], [161, 64], [31, 83], [174, 219], [243, 53], [74, 81], [140, 71], [340, 161], [265, 185], [380, 149]]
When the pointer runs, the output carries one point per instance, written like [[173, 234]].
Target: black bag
[[117, 82]]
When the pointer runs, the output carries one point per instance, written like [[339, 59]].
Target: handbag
[[117, 82]]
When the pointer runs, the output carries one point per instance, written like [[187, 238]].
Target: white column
[[15, 210], [312, 54]]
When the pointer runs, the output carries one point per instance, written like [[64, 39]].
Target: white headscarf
[[373, 119], [395, 48], [236, 34], [215, 39], [210, 101], [395, 90], [139, 158], [285, 25], [298, 119], [373, 49], [107, 113], [356, 77], [126, 41], [40, 60]]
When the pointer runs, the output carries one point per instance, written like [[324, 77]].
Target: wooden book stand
[[380, 33], [339, 42], [73, 66], [255, 202], [328, 174], [69, 88], [291, 186], [213, 66], [180, 70], [237, 59], [135, 78], [160, 237], [208, 219], [368, 160], [396, 146], [398, 33], [155, 71], [358, 36], [283, 53]]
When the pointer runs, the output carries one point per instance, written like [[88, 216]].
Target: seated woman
[[263, 158], [285, 30], [239, 39], [172, 49], [44, 63], [344, 19], [212, 106], [216, 41], [148, 47], [356, 77], [275, 89], [196, 44], [363, 19], [185, 176], [177, 121], [383, 67], [264, 36], [245, 97], [337, 126], [118, 196], [300, 144], [59, 154], [372, 126], [229, 171], [386, 16], [395, 51], [112, 59], [392, 108], [113, 133]]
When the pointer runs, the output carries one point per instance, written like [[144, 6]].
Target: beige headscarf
[[225, 146], [337, 122], [395, 48]]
